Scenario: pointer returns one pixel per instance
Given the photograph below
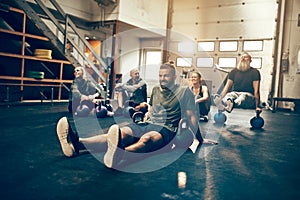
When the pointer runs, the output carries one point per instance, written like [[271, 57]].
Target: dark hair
[[169, 65]]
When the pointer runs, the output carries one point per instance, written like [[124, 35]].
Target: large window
[[228, 46], [205, 62], [253, 45], [184, 62], [206, 46]]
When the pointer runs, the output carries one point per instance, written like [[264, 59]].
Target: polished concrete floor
[[246, 164]]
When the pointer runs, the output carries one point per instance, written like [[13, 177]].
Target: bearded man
[[242, 87]]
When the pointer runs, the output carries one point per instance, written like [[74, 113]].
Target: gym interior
[[42, 42]]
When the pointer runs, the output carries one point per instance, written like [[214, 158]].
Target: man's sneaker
[[218, 102], [62, 130], [229, 106], [115, 150]]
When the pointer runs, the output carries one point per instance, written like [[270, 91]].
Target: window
[[186, 47], [253, 46], [206, 46], [256, 62], [227, 62], [184, 62], [228, 46], [205, 62]]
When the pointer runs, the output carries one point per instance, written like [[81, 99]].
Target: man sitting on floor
[[169, 103]]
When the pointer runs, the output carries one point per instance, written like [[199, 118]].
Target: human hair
[[133, 71], [198, 74], [169, 65], [246, 53]]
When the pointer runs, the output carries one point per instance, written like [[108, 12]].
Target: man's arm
[[227, 87], [132, 88], [256, 85]]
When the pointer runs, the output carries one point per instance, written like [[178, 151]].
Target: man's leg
[[245, 100], [150, 141], [229, 100]]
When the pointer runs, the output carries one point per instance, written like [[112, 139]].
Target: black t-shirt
[[243, 81]]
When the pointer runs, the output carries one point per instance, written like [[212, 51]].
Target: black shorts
[[140, 129]]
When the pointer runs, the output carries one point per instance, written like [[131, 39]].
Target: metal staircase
[[65, 37]]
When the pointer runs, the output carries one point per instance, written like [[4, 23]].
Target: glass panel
[[206, 46], [184, 62], [205, 62], [228, 46], [185, 47], [253, 46], [256, 62], [227, 62]]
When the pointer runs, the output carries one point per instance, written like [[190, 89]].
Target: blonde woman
[[202, 96]]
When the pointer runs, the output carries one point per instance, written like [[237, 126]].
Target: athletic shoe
[[218, 102], [204, 118], [115, 150], [229, 106], [62, 130]]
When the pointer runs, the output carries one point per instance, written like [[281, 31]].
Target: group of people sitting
[[169, 103]]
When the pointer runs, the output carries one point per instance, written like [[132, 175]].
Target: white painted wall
[[291, 44], [146, 14]]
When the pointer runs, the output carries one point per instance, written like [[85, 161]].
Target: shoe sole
[[62, 130], [110, 157]]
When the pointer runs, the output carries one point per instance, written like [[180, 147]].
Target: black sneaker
[[115, 148], [62, 130]]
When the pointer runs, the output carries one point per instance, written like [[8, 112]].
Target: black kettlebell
[[184, 137], [257, 121]]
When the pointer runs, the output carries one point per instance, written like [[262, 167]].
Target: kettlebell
[[184, 137], [82, 111], [101, 111], [257, 122], [220, 118]]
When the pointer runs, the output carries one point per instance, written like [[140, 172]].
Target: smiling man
[[169, 103]]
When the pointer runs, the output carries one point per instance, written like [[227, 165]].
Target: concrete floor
[[246, 164]]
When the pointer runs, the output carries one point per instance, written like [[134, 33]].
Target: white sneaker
[[112, 155], [218, 102], [229, 106], [62, 130]]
